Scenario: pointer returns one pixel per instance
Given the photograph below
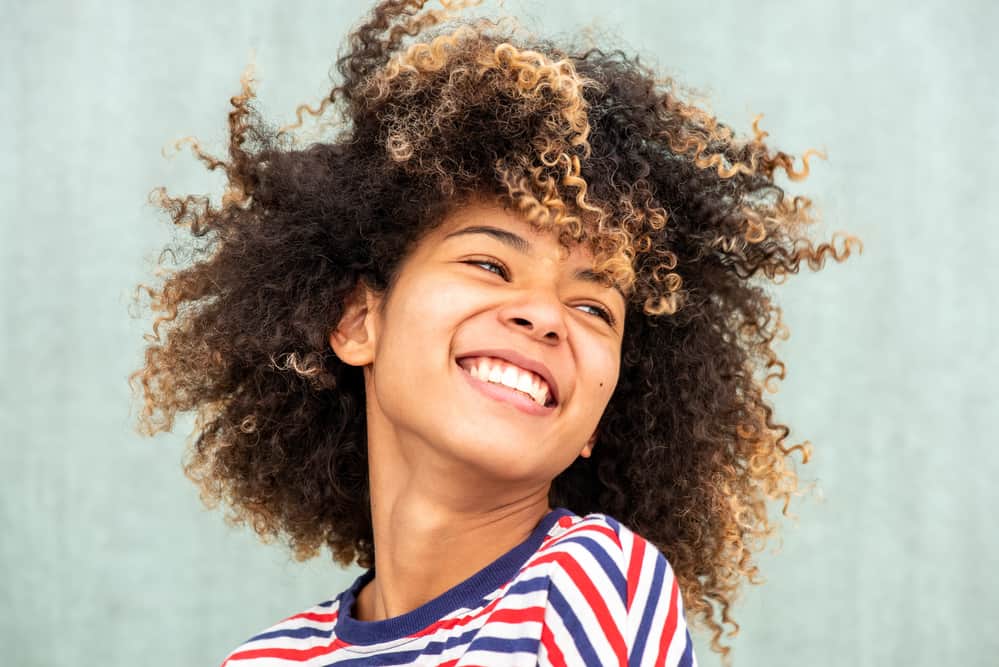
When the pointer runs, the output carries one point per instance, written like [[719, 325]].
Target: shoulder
[[599, 556], [613, 598], [293, 639]]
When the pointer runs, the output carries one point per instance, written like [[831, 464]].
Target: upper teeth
[[502, 372]]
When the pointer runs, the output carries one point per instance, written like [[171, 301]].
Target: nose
[[540, 315]]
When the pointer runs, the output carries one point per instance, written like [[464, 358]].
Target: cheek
[[603, 367], [417, 300], [433, 302], [419, 327]]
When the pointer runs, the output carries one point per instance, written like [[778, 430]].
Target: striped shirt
[[578, 591]]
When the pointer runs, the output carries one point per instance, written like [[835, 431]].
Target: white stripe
[[494, 659], [562, 639]]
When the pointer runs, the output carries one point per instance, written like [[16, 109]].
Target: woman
[[497, 341]]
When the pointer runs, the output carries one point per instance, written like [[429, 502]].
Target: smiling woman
[[501, 342]]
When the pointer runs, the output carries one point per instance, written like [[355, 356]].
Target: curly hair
[[680, 213]]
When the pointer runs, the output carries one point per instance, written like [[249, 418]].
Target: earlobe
[[588, 448], [353, 338]]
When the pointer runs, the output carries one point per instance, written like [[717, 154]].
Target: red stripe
[[294, 654], [635, 567], [670, 628], [452, 663], [555, 656], [450, 623], [528, 614], [312, 616], [585, 586], [534, 614]]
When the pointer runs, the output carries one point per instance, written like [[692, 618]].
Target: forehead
[[479, 219]]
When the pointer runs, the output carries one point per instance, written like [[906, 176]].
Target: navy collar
[[468, 593]]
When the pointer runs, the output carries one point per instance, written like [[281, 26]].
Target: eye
[[501, 271], [482, 262], [603, 313]]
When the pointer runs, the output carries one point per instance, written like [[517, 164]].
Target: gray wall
[[108, 558]]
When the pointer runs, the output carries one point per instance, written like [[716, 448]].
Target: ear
[[353, 339], [588, 447]]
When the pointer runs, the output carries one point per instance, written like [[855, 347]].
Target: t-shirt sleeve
[[655, 632], [612, 600]]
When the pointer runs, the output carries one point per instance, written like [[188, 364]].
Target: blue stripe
[[648, 612], [469, 637], [687, 659], [506, 646], [532, 585], [523, 587], [294, 633], [378, 658], [576, 630], [611, 567]]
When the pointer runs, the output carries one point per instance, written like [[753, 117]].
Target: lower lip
[[506, 395]]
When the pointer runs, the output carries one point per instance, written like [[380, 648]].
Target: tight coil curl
[[681, 214]]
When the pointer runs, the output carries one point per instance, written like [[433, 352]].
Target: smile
[[504, 394]]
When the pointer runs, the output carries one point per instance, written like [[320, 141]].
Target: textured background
[[107, 556]]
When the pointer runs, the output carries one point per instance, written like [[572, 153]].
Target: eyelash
[[604, 313]]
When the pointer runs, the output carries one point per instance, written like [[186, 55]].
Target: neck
[[426, 543]]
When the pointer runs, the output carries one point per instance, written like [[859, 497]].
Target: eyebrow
[[522, 245]]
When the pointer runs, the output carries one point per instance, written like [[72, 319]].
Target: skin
[[458, 478]]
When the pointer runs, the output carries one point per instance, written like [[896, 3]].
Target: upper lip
[[518, 359]]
